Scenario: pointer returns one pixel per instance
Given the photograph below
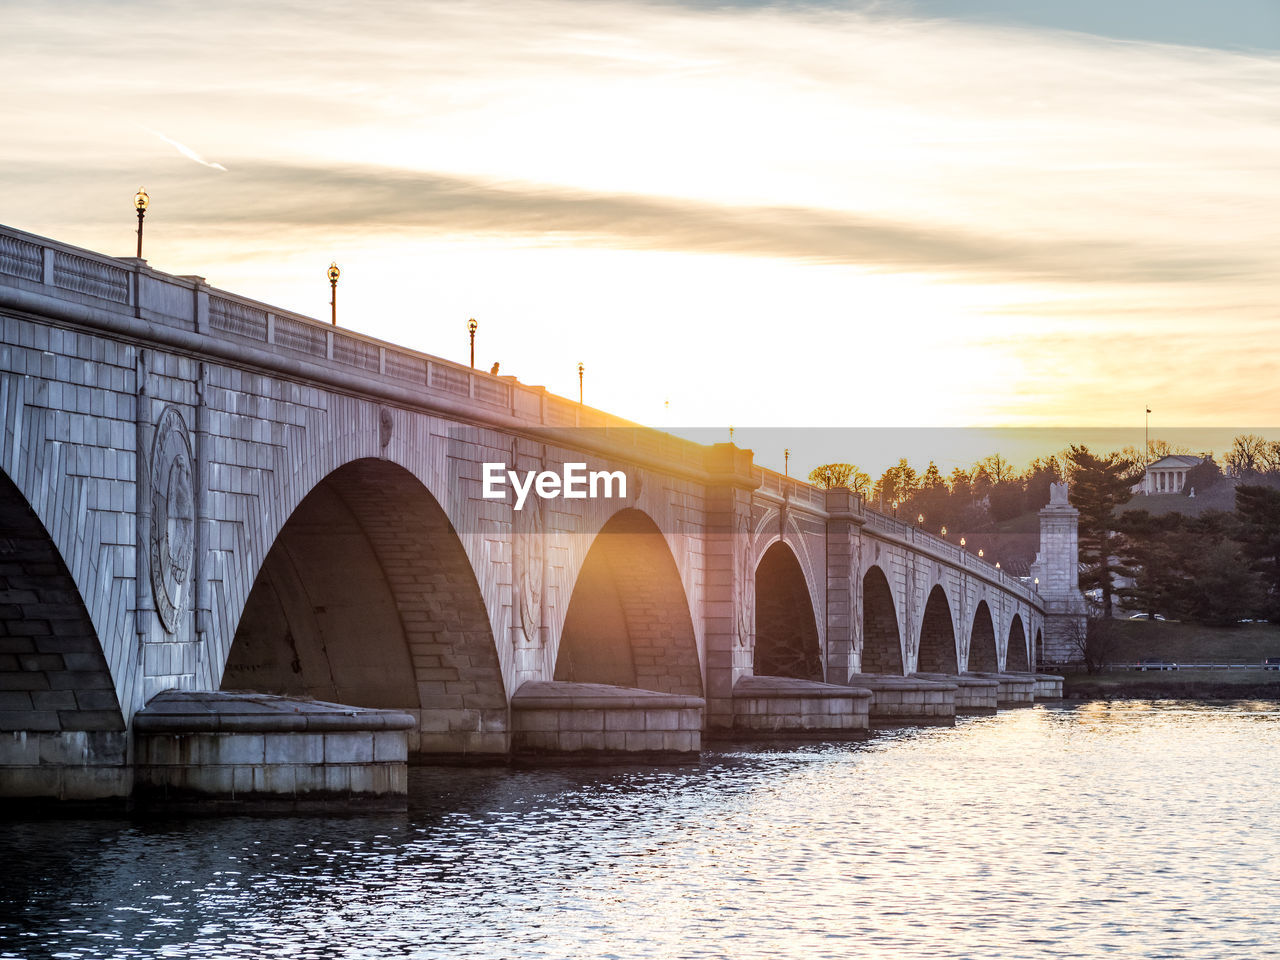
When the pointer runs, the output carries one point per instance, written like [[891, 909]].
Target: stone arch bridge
[[200, 492]]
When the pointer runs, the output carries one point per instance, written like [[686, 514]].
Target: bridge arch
[[366, 596], [786, 630], [53, 672], [937, 649], [1015, 658], [881, 636], [628, 622], [983, 654]]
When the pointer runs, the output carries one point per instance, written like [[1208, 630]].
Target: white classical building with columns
[[1168, 474]]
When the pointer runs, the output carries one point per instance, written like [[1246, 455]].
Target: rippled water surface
[[1130, 830]]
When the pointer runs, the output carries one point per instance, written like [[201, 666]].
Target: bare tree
[[1094, 639], [831, 475], [1248, 455]]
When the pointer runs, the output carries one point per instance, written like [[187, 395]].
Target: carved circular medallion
[[529, 556], [173, 517]]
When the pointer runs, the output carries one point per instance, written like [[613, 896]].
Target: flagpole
[[1146, 441]]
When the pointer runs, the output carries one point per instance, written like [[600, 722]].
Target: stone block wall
[[583, 722], [214, 751], [780, 707]]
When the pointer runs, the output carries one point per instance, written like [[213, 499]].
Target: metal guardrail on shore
[[1077, 665]]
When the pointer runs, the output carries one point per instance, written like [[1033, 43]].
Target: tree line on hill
[[1221, 566], [989, 492]]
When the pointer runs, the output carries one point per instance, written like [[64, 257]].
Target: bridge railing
[[129, 288], [941, 547], [800, 492]]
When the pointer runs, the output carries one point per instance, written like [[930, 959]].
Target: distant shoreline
[[1167, 685]]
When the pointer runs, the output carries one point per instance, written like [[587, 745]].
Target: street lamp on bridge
[[786, 462], [580, 369], [334, 274], [471, 329], [140, 203]]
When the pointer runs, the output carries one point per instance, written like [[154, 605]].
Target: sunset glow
[[875, 214]]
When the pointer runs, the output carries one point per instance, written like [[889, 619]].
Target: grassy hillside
[[1191, 642], [1184, 643], [1221, 496]]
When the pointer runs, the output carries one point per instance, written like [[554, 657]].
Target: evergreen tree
[[1259, 511], [1151, 546], [1099, 486], [897, 483]]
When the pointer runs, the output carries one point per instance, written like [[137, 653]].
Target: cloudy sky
[[882, 213]]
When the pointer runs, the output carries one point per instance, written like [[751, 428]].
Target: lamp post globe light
[[580, 369], [786, 462], [471, 329], [334, 273], [140, 203]]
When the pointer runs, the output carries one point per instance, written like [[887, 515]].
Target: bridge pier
[[785, 708], [556, 721], [906, 701], [219, 752], [1016, 689], [975, 696], [1048, 686]]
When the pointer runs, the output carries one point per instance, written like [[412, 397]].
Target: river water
[[1127, 829]]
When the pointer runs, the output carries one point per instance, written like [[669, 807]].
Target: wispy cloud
[[334, 199], [1071, 220]]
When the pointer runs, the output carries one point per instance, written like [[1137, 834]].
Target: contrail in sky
[[187, 152]]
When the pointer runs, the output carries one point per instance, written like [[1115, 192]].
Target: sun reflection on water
[[1121, 827]]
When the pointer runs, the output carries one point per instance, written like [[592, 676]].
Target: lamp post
[[140, 202], [471, 329], [334, 274], [895, 509], [580, 369], [731, 433], [920, 520], [944, 533], [979, 553], [962, 541], [786, 462]]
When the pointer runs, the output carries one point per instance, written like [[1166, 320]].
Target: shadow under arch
[[628, 622], [53, 671], [786, 632], [983, 655], [937, 636], [1015, 658], [881, 638], [367, 597]]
